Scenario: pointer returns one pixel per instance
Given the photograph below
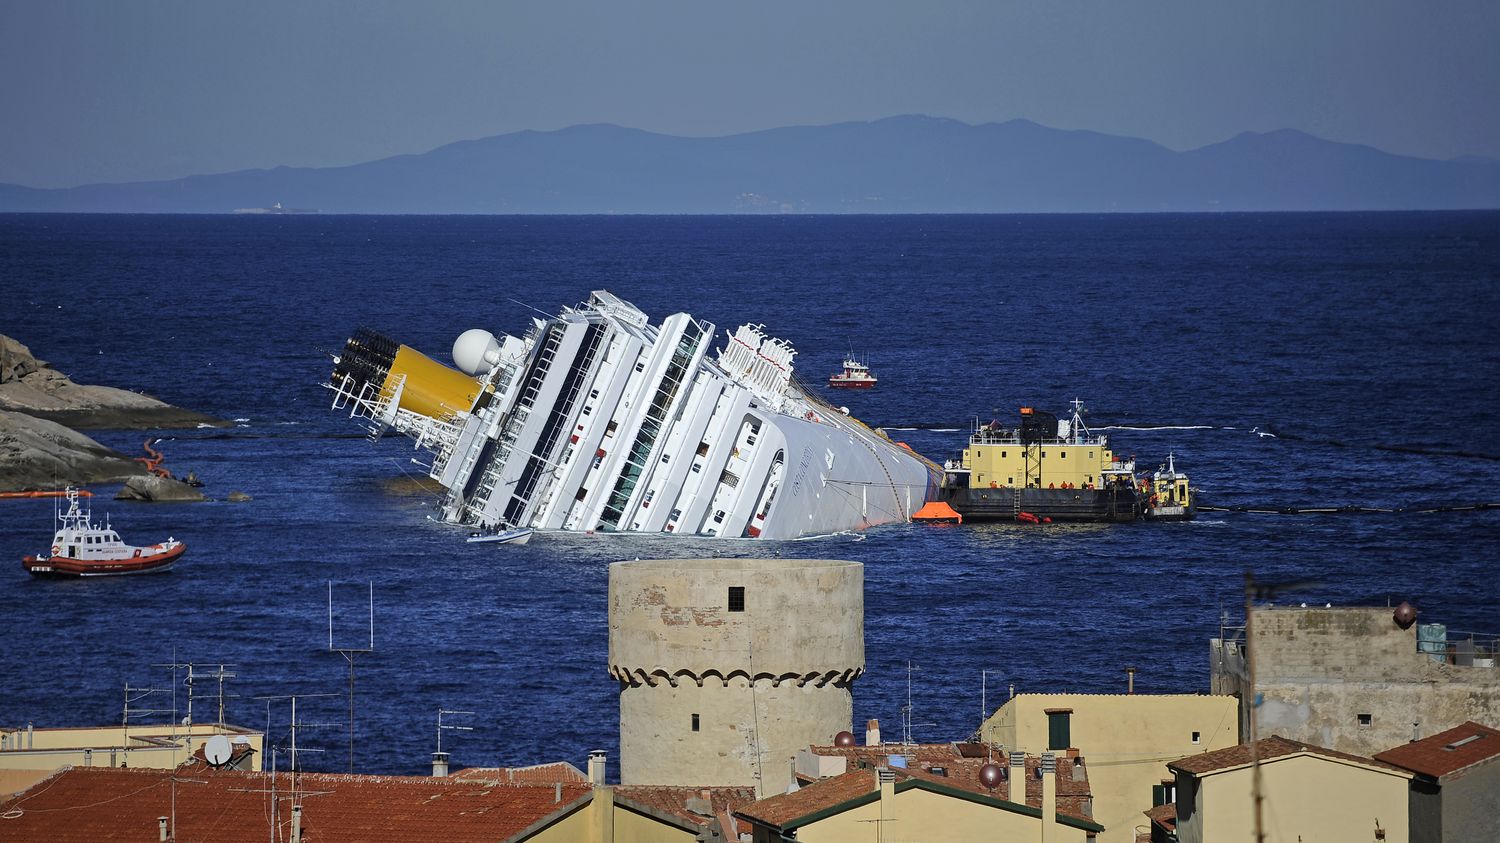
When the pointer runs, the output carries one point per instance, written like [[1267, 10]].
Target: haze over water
[[1365, 343]]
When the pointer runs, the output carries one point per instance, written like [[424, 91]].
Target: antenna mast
[[349, 654]]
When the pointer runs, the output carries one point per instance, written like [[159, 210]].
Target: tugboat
[[1045, 469], [81, 548], [856, 375], [1171, 499]]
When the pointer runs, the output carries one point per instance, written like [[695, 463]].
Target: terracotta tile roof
[[1269, 749], [779, 810], [112, 804], [1433, 757], [963, 771], [787, 809], [557, 771], [673, 801], [1164, 816]]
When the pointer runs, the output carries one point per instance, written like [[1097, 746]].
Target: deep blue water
[[1349, 335]]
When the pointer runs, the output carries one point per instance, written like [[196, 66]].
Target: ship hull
[[67, 567], [598, 421], [1059, 505]]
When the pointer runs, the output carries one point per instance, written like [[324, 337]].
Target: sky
[[130, 90]]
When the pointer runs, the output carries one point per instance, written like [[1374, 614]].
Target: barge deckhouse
[[1046, 468], [597, 420]]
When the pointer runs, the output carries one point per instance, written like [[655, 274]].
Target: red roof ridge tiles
[[109, 803], [1432, 758], [1269, 749], [781, 809]]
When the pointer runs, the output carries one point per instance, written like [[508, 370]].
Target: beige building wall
[[764, 681], [1125, 740], [32, 755], [1319, 669], [920, 816], [1306, 798], [602, 820]]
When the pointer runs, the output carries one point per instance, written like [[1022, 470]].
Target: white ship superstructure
[[597, 420]]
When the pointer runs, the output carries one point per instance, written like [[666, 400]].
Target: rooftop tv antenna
[[349, 654], [441, 726], [907, 745], [274, 807]]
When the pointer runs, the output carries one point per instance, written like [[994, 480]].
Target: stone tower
[[727, 667]]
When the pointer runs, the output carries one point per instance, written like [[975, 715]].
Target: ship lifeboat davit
[[937, 512]]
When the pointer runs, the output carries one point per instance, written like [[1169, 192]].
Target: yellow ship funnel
[[430, 389], [420, 384]]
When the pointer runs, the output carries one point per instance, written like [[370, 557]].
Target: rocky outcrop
[[154, 489], [38, 405], [40, 454], [33, 387]]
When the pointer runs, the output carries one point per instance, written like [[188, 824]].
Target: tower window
[[695, 722], [736, 598], [1364, 721], [1197, 737]]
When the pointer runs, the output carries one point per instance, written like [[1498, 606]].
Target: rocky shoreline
[[41, 410]]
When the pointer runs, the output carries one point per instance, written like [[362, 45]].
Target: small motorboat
[[856, 375], [513, 535], [81, 548]]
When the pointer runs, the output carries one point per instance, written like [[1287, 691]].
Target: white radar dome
[[476, 351]]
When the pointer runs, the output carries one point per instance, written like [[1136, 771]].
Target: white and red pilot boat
[[81, 548], [856, 375]]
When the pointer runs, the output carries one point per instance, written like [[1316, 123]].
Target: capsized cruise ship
[[596, 420]]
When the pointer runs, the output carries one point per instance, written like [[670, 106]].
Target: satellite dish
[[216, 750]]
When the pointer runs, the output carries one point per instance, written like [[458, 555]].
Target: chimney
[[1416, 730], [1049, 797], [28, 734], [1012, 690], [886, 779], [1130, 680], [596, 768], [161, 828], [296, 824], [1017, 786], [88, 758], [439, 765], [872, 733]]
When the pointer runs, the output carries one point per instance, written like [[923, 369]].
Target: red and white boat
[[81, 548], [856, 375]]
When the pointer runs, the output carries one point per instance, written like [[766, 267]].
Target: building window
[[1197, 737], [736, 598], [695, 722], [1059, 728], [1364, 721]]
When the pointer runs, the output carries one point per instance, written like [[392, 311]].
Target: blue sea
[[1287, 360]]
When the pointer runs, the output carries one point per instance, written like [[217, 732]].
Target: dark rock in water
[[238, 497], [158, 490], [40, 454], [32, 386]]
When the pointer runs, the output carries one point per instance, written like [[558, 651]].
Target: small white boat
[[515, 536]]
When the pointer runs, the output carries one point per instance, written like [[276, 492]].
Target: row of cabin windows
[[97, 539]]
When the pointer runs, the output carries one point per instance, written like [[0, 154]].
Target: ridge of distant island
[[897, 165], [41, 410]]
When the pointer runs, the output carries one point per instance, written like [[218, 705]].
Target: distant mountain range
[[910, 164]]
